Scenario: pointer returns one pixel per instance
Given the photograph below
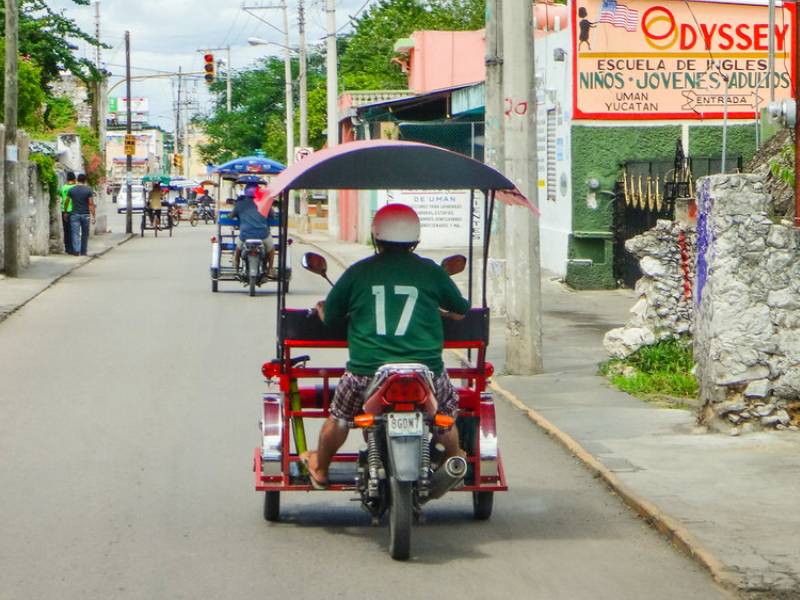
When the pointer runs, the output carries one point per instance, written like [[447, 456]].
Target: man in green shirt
[[393, 303], [66, 209]]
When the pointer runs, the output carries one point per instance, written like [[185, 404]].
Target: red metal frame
[[471, 404]]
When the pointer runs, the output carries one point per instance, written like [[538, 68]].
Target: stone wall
[[747, 308], [664, 309], [38, 197]]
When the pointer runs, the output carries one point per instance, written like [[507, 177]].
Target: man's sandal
[[317, 484]]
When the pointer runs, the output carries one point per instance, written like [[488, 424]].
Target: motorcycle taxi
[[400, 469]]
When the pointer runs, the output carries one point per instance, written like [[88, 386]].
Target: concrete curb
[[676, 533], [72, 269]]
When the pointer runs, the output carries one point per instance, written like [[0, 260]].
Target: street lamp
[[287, 58]]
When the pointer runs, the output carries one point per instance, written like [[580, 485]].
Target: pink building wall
[[442, 59]]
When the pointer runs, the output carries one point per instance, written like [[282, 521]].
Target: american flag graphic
[[619, 15]]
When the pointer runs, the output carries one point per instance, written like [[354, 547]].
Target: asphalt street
[[130, 398]]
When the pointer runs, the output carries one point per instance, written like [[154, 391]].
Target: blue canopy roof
[[250, 165]]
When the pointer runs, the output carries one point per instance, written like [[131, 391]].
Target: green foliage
[[663, 369], [59, 113], [45, 35], [92, 157], [47, 172], [31, 96], [782, 167]]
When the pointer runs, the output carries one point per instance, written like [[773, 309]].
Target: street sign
[[302, 152], [130, 144]]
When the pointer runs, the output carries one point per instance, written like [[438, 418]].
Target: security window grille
[[551, 156]]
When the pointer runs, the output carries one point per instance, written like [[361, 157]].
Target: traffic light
[[209, 67], [177, 161]]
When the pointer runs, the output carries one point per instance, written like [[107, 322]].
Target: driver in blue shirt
[[252, 226]]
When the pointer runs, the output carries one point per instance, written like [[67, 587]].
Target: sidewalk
[[730, 502], [44, 271]]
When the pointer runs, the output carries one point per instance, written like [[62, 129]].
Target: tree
[[31, 95]]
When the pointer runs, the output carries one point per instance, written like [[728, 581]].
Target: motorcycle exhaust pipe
[[448, 476]]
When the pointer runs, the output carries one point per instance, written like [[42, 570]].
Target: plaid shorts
[[349, 396]]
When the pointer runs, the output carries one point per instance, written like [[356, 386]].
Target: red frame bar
[[469, 406]]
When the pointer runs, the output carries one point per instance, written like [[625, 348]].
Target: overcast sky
[[165, 35]]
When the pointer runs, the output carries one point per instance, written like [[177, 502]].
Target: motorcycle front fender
[[404, 457]]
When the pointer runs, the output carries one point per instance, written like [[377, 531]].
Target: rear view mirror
[[454, 264], [315, 263]]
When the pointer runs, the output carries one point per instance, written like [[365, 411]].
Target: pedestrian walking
[[66, 208], [82, 198]]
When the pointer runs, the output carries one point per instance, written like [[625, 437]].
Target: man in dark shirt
[[82, 199], [252, 226]]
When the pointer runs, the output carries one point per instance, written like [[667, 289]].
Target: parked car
[[137, 193]]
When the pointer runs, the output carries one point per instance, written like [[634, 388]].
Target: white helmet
[[396, 223]]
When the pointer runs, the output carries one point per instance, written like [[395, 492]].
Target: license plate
[[404, 424]]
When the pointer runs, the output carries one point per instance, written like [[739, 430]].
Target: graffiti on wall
[[705, 237]]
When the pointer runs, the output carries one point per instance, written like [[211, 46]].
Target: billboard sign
[[120, 105], [670, 59], [443, 214]]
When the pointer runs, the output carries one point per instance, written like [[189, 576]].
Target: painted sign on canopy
[[657, 59], [443, 215]]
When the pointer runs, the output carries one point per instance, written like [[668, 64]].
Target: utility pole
[[332, 97], [97, 34], [289, 100], [178, 140], [287, 68], [304, 224], [11, 224], [128, 157], [523, 323], [185, 161], [301, 26], [494, 146], [228, 103]]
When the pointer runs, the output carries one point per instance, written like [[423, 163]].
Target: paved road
[[129, 396]]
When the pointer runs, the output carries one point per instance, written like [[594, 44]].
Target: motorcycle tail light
[[214, 240], [406, 389]]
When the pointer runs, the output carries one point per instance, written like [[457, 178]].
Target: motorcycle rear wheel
[[193, 219], [252, 281], [401, 513]]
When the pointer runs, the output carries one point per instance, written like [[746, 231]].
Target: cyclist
[[393, 303]]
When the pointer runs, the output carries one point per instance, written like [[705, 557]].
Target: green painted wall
[[706, 140], [598, 153]]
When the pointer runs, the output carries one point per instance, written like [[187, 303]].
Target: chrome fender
[[488, 437], [271, 435], [215, 256]]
